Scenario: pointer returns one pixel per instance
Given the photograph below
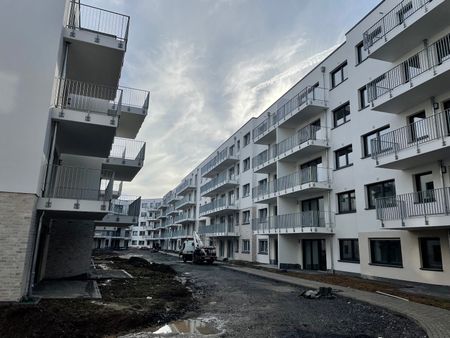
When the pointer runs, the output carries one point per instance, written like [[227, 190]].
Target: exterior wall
[[147, 225], [17, 233], [69, 248]]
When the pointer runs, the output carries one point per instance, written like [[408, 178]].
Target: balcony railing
[[185, 200], [184, 216], [126, 206], [217, 229], [219, 158], [415, 204], [87, 97], [218, 181], [135, 98], [311, 174], [265, 156], [426, 59], [216, 204], [78, 183], [413, 135], [392, 19], [184, 185], [89, 18], [128, 149], [310, 219]]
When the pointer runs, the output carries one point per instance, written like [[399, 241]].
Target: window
[[143, 214], [379, 190], [246, 217], [369, 142], [245, 246], [236, 245], [262, 214], [246, 164], [349, 250], [341, 114], [133, 242], [135, 233], [263, 247], [141, 242], [339, 75], [231, 150], [246, 139], [363, 99], [361, 53], [430, 250], [238, 143], [386, 252], [418, 129], [346, 202], [246, 190], [141, 233], [143, 224], [424, 187], [344, 157]]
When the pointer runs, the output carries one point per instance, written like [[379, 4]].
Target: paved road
[[250, 306]]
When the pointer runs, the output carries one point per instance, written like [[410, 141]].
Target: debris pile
[[321, 293]]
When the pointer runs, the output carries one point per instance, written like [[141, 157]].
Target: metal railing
[[184, 185], [426, 59], [184, 216], [413, 135], [135, 98], [221, 179], [78, 183], [128, 149], [310, 219], [310, 93], [88, 97], [216, 204], [184, 200], [415, 204], [219, 158], [126, 206], [306, 175], [392, 19], [89, 18], [218, 229]]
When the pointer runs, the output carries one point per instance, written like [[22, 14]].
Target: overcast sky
[[213, 64]]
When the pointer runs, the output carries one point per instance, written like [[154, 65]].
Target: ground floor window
[[133, 242], [349, 250], [263, 246], [245, 245], [386, 252], [141, 242], [430, 250]]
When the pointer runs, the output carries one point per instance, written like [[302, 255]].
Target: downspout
[[34, 258]]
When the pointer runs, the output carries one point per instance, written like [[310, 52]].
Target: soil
[[151, 298]]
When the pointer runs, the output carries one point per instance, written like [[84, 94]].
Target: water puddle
[[190, 326]]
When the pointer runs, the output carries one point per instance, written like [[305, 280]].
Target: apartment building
[[142, 231], [73, 129], [349, 170]]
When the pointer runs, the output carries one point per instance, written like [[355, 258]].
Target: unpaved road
[[249, 306]]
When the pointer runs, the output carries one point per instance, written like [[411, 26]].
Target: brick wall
[[69, 249], [17, 236]]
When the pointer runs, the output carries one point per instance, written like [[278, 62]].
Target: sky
[[211, 65]]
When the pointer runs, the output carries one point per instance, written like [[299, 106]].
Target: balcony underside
[[130, 122], [73, 209], [266, 167], [221, 234], [219, 211], [417, 27], [220, 167], [91, 61], [186, 221], [419, 89], [77, 136], [266, 199], [124, 170], [416, 156], [268, 137], [305, 112], [186, 205], [431, 222], [306, 231], [186, 190], [305, 190], [119, 221], [220, 189], [303, 150]]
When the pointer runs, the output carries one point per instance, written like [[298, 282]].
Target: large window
[[430, 250], [369, 143], [346, 202], [341, 114], [424, 187], [379, 190], [245, 246], [344, 157], [361, 53], [349, 250], [339, 75], [263, 246], [386, 252], [363, 99]]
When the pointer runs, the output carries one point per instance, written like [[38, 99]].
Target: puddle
[[190, 326]]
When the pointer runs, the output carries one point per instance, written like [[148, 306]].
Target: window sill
[[341, 125], [346, 261], [339, 84], [262, 253], [245, 252], [431, 269], [387, 265], [370, 208], [348, 165], [346, 212], [362, 108]]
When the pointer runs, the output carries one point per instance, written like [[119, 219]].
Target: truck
[[194, 250]]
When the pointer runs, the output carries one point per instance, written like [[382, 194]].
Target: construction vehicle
[[194, 250]]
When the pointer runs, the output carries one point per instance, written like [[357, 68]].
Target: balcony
[[219, 230], [98, 40], [185, 218], [218, 206], [125, 159], [424, 141], [308, 103], [134, 109], [406, 25], [112, 234], [185, 187], [429, 209], [306, 141], [185, 203], [423, 75], [219, 184], [219, 163], [87, 116], [306, 222], [302, 183], [123, 212], [76, 192]]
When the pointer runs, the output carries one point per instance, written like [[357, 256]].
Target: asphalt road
[[249, 306]]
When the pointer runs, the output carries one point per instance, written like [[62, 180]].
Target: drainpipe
[[34, 257]]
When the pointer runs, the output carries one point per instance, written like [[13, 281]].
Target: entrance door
[[230, 248], [314, 254]]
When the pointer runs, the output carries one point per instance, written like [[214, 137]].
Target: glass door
[[314, 254]]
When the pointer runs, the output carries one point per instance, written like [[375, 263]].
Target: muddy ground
[[150, 299]]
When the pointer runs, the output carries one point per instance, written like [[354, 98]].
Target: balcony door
[[314, 254], [418, 127], [425, 187], [309, 171], [312, 212]]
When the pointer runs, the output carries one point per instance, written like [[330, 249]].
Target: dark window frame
[[363, 99], [346, 116], [354, 248], [383, 187], [349, 209], [339, 69], [344, 151], [259, 247], [376, 132], [359, 53], [388, 243], [425, 263]]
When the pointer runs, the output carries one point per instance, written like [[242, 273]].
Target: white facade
[[350, 169], [142, 231]]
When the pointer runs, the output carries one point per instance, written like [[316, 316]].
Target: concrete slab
[[101, 274], [63, 289]]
